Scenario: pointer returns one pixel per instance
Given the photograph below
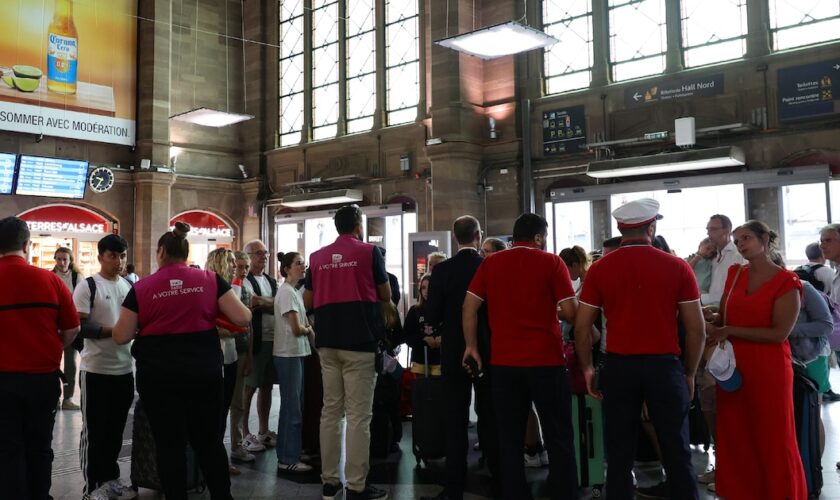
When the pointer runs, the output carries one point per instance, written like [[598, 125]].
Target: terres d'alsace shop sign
[[68, 69], [66, 227], [203, 224]]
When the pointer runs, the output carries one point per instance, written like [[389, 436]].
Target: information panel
[[7, 172], [54, 177], [809, 91], [564, 131]]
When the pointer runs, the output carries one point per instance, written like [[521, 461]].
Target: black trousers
[[514, 389], [106, 400], [457, 394], [627, 382], [227, 392], [27, 413], [186, 409]]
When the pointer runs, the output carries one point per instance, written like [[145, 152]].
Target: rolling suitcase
[[381, 430], [588, 423], [698, 430], [806, 412], [428, 422], [144, 471]]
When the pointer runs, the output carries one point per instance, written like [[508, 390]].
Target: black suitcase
[[144, 471], [381, 431], [806, 412], [698, 430], [428, 421]]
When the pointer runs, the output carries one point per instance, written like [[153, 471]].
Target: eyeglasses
[[714, 228], [261, 253]]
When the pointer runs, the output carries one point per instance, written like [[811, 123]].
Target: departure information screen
[[54, 177], [7, 172]]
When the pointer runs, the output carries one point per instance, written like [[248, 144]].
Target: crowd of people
[[495, 322]]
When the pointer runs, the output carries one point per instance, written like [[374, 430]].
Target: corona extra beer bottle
[[62, 49]]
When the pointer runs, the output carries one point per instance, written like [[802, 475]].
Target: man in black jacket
[[447, 289]]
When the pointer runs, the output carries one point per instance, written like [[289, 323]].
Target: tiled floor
[[398, 473]]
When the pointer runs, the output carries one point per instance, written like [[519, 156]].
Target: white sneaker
[[533, 460], [120, 491], [299, 467], [241, 454], [100, 493], [252, 443], [113, 490], [544, 457], [268, 439]]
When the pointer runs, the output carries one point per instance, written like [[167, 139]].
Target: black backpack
[[806, 272]]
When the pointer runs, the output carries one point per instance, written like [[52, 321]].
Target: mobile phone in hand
[[473, 370]]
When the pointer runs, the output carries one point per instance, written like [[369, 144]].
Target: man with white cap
[[641, 290]]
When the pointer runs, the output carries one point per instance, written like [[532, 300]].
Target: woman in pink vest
[[171, 316]]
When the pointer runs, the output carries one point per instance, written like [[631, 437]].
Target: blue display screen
[[38, 176], [7, 172]]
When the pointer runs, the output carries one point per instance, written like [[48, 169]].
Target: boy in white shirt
[[106, 381]]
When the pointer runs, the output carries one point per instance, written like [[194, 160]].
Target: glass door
[[686, 211]]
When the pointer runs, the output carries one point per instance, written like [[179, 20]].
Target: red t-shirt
[[638, 287], [522, 287], [34, 305]]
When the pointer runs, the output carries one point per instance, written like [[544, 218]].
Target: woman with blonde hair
[[221, 262]]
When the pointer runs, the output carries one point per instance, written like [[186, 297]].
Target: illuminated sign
[[209, 231], [65, 227]]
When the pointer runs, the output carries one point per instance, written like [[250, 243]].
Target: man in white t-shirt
[[259, 364], [106, 378], [719, 230], [819, 266]]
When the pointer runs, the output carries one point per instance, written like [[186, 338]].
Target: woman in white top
[[291, 344]]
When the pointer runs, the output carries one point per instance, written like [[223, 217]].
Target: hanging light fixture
[[499, 40], [210, 117]]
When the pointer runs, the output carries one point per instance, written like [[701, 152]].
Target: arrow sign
[[668, 89]]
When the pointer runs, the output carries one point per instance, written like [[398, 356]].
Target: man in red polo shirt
[[641, 290], [527, 290], [38, 320]]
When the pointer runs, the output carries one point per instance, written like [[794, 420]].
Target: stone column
[[455, 169], [601, 74], [758, 29], [152, 191], [674, 60], [154, 39]]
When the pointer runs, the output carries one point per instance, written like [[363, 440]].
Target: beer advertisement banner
[[68, 68]]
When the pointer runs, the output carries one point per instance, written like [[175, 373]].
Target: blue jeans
[[290, 422]]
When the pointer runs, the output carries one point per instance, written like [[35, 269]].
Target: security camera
[[40, 137], [242, 169]]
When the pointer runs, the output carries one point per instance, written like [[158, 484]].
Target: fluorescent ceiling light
[[700, 159], [210, 117], [499, 40], [322, 198]]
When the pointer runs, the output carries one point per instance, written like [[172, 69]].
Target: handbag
[[576, 378]]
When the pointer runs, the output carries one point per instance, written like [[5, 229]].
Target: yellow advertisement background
[[107, 42]]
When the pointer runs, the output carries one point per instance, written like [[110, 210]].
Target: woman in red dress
[[757, 454]]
